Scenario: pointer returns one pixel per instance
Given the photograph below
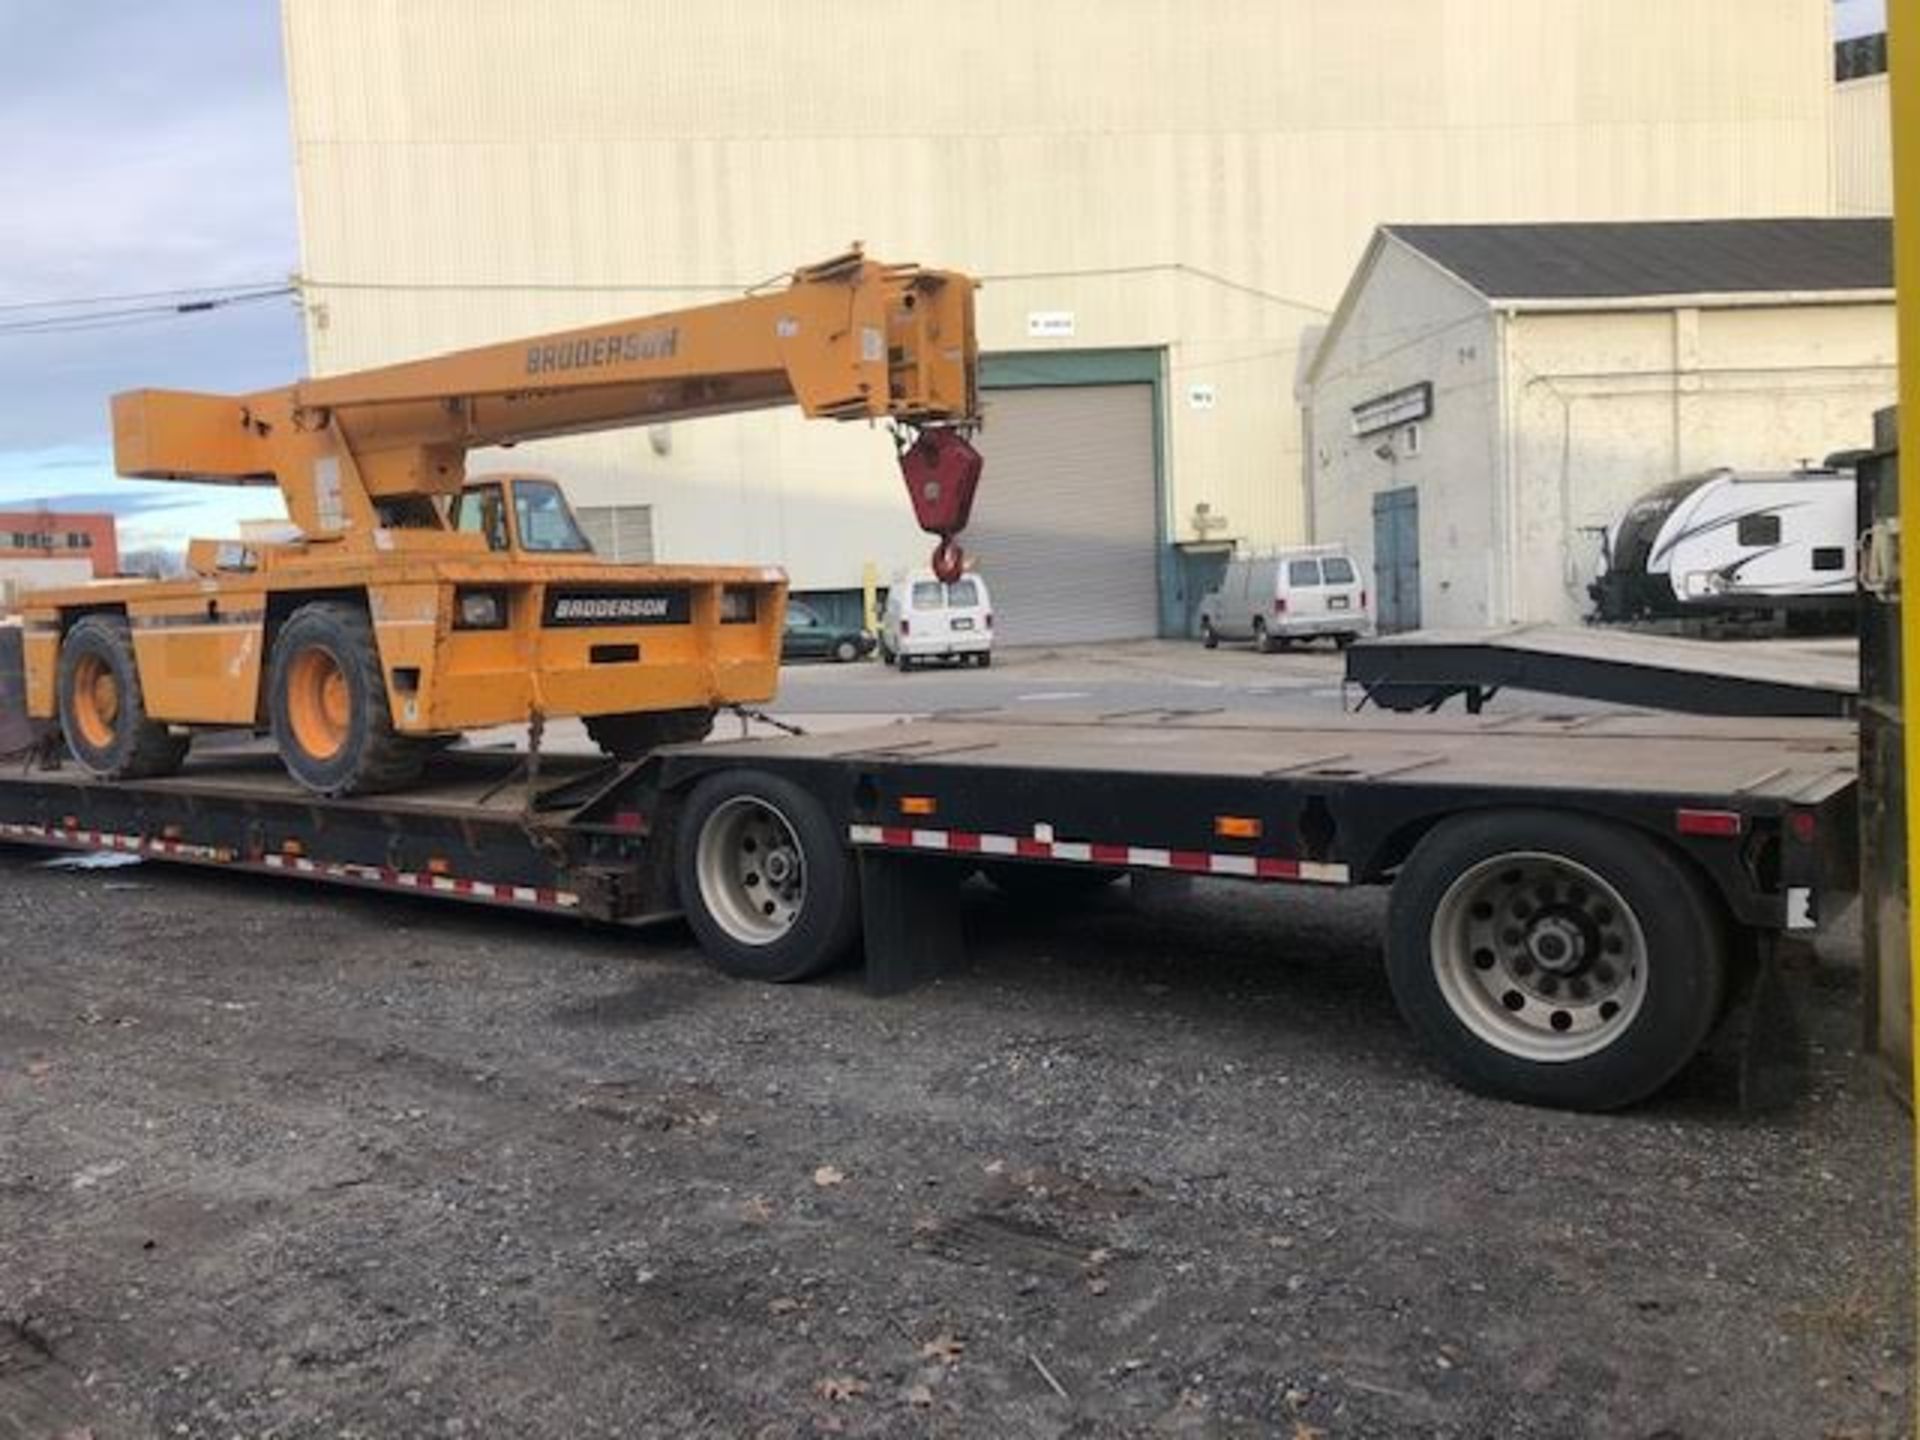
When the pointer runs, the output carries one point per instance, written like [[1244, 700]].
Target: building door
[[1396, 559], [1066, 527]]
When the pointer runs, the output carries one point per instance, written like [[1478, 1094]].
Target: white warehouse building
[[1490, 397], [1163, 200]]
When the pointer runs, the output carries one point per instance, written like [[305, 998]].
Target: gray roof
[[1624, 259]]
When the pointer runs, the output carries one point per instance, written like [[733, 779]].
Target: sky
[[1858, 17], [147, 149]]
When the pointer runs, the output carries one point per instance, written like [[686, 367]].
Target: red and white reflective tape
[[418, 880], [537, 896], [1087, 852]]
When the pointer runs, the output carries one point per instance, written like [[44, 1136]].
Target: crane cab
[[520, 515]]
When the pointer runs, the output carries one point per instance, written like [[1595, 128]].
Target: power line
[[78, 302], [81, 320], [1175, 267]]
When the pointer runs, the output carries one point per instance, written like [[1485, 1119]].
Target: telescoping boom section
[[412, 602], [847, 339]]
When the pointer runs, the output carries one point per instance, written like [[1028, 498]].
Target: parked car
[[926, 619], [1299, 594], [808, 636]]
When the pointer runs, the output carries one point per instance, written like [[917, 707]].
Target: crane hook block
[[942, 470]]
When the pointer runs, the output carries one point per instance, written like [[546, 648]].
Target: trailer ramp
[[1659, 672]]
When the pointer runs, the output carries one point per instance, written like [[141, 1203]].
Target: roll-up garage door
[[1065, 528]]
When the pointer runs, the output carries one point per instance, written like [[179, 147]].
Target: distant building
[[1862, 128], [1164, 201], [1488, 396], [38, 535]]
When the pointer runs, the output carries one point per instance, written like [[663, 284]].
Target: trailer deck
[[1634, 841]]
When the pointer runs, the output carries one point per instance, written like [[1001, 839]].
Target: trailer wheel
[[327, 701], [637, 734], [1553, 959], [103, 710], [766, 883]]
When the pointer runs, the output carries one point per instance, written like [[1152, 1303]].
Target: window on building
[[1759, 530], [622, 533], [1303, 572], [76, 540], [1829, 557]]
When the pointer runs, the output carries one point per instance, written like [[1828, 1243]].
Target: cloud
[[149, 512], [154, 144]]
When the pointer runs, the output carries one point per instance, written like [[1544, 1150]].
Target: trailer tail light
[[989, 619], [1721, 823], [1236, 827], [918, 805], [1363, 599], [1803, 827], [1279, 604], [906, 626]]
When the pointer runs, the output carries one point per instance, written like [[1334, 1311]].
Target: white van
[[927, 619], [1274, 600]]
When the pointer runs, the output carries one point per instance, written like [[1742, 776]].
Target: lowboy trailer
[[1573, 899]]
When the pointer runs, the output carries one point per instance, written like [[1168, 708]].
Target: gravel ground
[[294, 1162]]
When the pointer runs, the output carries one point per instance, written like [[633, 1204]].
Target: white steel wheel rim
[[1539, 957], [752, 874]]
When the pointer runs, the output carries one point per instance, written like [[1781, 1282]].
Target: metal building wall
[[1199, 178], [1862, 147], [1546, 425]]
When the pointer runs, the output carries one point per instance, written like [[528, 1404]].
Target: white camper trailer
[[1729, 543]]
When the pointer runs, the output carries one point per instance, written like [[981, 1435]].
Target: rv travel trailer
[[1734, 544]]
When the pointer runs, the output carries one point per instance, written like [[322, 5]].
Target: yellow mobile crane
[[417, 603]]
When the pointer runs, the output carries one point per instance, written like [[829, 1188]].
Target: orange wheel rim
[[96, 701], [319, 704]]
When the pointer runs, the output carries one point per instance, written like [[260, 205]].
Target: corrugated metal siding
[[1066, 536], [1200, 178], [619, 532], [1863, 147]]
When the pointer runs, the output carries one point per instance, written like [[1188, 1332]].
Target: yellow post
[[870, 597], [1903, 55]]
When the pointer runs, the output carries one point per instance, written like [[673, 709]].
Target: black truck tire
[[1554, 959], [327, 704], [636, 734], [767, 883], [103, 710]]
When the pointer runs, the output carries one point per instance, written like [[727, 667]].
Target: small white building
[[1487, 397]]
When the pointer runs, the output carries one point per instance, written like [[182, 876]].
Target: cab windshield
[[545, 523]]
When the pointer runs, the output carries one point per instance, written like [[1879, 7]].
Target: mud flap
[[910, 914], [1764, 1031]]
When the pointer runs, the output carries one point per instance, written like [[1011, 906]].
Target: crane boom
[[358, 453]]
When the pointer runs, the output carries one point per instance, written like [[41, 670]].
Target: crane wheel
[[103, 710], [635, 735], [327, 699]]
